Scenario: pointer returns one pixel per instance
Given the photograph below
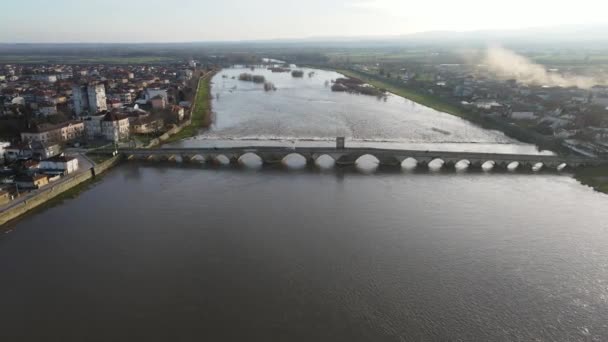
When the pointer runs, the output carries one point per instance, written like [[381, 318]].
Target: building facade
[[54, 133], [115, 127], [89, 98]]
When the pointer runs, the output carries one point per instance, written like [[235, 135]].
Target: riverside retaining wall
[[53, 190]]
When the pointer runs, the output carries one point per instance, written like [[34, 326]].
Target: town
[[50, 115]]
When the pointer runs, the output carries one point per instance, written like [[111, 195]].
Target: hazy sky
[[205, 20]]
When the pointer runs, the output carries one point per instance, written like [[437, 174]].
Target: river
[[162, 252]]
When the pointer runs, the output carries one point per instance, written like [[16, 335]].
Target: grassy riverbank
[[201, 111], [595, 177]]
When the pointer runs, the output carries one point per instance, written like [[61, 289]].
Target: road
[[84, 165]]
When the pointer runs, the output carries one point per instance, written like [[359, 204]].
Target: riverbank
[[200, 117], [59, 191], [595, 177], [434, 102]]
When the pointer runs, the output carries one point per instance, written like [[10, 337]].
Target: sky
[[43, 21]]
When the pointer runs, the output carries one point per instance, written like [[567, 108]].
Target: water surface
[[159, 253], [306, 111]]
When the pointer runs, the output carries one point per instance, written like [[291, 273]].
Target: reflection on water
[[305, 112], [187, 253]]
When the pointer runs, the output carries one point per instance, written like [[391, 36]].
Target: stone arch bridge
[[349, 156]]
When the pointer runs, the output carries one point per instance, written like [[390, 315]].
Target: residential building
[[89, 98], [5, 197], [62, 164], [31, 182], [146, 125], [46, 109], [45, 78], [3, 146], [158, 102], [115, 127], [151, 93], [64, 132], [92, 127], [179, 112], [524, 116]]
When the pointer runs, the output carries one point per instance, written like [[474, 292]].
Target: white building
[[92, 126], [66, 165], [89, 97], [3, 146], [115, 127], [523, 116], [149, 94], [45, 78], [47, 109]]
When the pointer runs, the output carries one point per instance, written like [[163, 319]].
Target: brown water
[[306, 111], [168, 253]]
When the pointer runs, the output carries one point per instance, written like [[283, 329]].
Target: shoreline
[[52, 192], [201, 113], [438, 104], [595, 177]]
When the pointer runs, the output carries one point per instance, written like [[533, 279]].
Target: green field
[[14, 59], [201, 113]]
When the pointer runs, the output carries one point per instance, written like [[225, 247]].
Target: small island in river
[[356, 86], [252, 78]]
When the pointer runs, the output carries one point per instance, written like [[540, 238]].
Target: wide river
[[161, 252]]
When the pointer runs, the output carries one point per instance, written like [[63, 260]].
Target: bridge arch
[[513, 166], [488, 165], [409, 163], [462, 165], [537, 167], [367, 163], [221, 159], [197, 158], [325, 161], [251, 160], [436, 164], [294, 161]]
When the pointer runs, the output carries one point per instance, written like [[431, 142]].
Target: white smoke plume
[[507, 64]]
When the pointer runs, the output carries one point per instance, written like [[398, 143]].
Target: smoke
[[506, 64]]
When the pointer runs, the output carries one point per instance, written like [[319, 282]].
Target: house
[[115, 127], [523, 116], [146, 125], [178, 112], [48, 108], [45, 78], [5, 197], [151, 93], [3, 146], [35, 149], [114, 104], [63, 132], [31, 166], [31, 182], [61, 164], [92, 126], [158, 102]]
